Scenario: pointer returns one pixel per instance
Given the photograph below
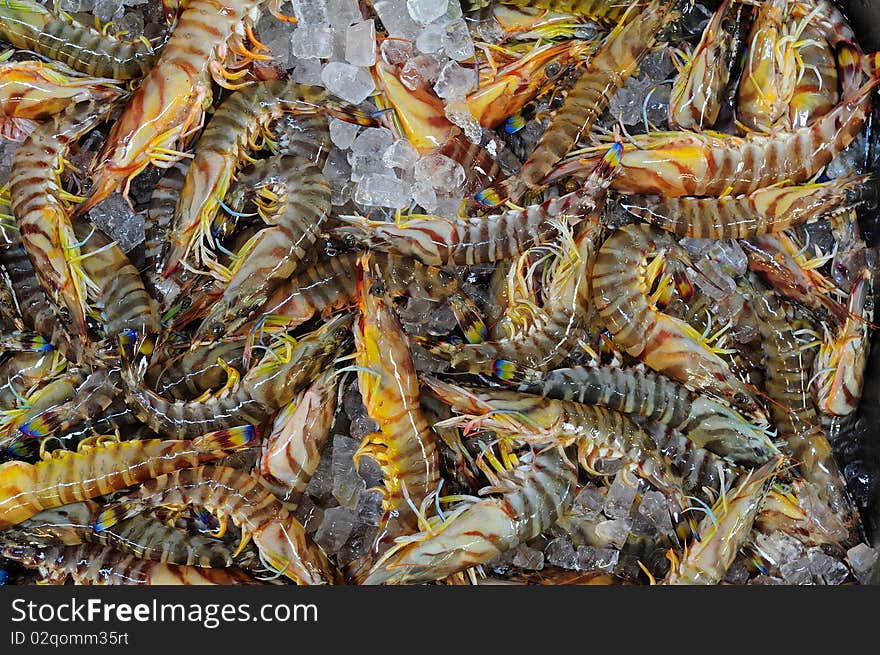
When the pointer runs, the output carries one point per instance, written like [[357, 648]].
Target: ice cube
[[107, 10], [440, 171], [620, 497], [421, 70], [343, 13], [343, 133], [430, 39], [561, 553], [381, 191], [396, 52], [457, 43], [425, 196], [614, 531], [454, 81], [335, 528], [589, 502], [797, 572], [369, 509], [655, 508], [712, 279], [441, 320], [7, 155], [360, 43], [347, 484], [353, 84], [828, 569], [311, 42], [311, 12], [863, 560], [116, 218], [448, 205], [73, 6], [401, 155], [307, 71], [590, 558], [338, 173], [766, 580], [656, 65], [459, 113], [320, 486], [396, 19], [426, 11], [528, 558]]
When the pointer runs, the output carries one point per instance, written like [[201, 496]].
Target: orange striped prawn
[[41, 207], [169, 105], [405, 445], [621, 292], [102, 467], [231, 494], [674, 164], [31, 92]]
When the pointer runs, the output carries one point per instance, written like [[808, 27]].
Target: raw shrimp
[[698, 89], [234, 495], [92, 397], [293, 449], [616, 60], [531, 498], [722, 532], [143, 536], [169, 105], [788, 365], [763, 211], [40, 207], [263, 390], [96, 469], [405, 445], [236, 125], [31, 92], [839, 367], [440, 242], [673, 164], [567, 297], [599, 433], [605, 10], [30, 26], [98, 565], [293, 199], [707, 423], [621, 289]]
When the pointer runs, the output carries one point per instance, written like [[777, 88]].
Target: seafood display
[[387, 292]]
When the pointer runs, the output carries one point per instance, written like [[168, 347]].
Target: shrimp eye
[[217, 330], [186, 303], [740, 397], [552, 69]]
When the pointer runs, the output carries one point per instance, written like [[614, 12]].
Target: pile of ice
[[334, 45]]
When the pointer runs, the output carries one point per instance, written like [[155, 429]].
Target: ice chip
[[655, 508], [863, 560], [396, 52], [401, 155], [353, 84], [338, 173], [360, 43], [614, 531], [426, 11], [454, 81], [589, 502], [528, 558], [425, 196], [561, 553], [343, 13], [347, 484], [107, 10], [440, 171], [620, 497], [457, 43], [827, 569], [115, 217], [335, 528], [590, 558], [343, 133], [381, 191], [307, 71], [797, 572], [311, 12], [459, 113], [396, 19], [312, 42], [430, 39]]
